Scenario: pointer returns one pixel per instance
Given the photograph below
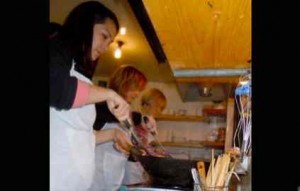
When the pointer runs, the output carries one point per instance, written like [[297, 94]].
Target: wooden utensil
[[201, 169]]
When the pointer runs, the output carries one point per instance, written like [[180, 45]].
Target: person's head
[[128, 81], [153, 102], [88, 30]]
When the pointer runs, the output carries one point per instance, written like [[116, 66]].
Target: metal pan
[[169, 172]]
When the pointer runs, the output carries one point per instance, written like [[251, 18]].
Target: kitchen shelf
[[211, 111], [213, 144], [198, 144], [180, 144], [179, 118], [205, 118]]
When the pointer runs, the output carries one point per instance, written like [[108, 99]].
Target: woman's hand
[[118, 106], [121, 141]]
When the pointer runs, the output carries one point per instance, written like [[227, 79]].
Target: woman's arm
[[121, 140], [68, 92]]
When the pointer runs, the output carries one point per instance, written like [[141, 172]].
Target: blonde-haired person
[[153, 102], [128, 82]]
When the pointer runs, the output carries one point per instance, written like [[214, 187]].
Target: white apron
[[134, 173], [110, 165], [72, 146]]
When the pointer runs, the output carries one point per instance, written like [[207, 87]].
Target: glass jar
[[213, 135]]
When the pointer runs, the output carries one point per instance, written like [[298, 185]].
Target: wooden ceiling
[[203, 34]]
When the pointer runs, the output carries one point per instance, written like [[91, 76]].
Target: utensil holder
[[200, 187]]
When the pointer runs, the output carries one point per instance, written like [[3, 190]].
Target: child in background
[[153, 102]]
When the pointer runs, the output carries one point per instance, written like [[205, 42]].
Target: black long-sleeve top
[[103, 116], [63, 87]]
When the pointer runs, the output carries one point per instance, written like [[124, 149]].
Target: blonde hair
[[154, 95], [127, 78]]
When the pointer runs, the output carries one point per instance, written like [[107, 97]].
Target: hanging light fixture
[[118, 52], [122, 30]]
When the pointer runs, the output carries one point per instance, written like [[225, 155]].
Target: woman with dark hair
[[73, 54]]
